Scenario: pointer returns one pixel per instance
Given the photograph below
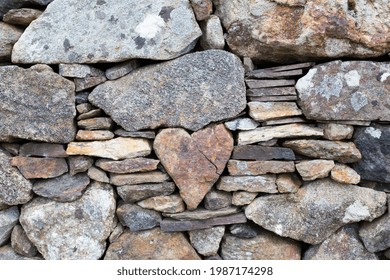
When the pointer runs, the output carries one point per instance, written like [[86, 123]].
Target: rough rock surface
[[138, 178], [9, 35], [164, 203], [36, 168], [264, 111], [202, 214], [137, 218], [246, 230], [241, 124], [43, 107], [206, 241], [151, 245], [21, 16], [286, 31], [316, 210], [8, 219], [314, 169], [264, 183], [7, 253], [288, 183], [98, 175], [78, 164], [215, 200], [128, 165], [195, 161], [6, 5], [189, 92], [335, 131], [243, 198], [134, 193], [128, 29], [42, 150], [376, 234], [212, 37], [21, 244], [344, 174], [240, 167], [351, 90], [72, 230]]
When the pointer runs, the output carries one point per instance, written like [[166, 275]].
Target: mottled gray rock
[[164, 203], [376, 234], [109, 31], [351, 90], [21, 16], [128, 165], [185, 92], [240, 167], [82, 97], [14, 188], [314, 169], [12, 148], [9, 35], [206, 241], [371, 141], [118, 230], [40, 168], [212, 37], [241, 124], [256, 152], [288, 183], [21, 244], [90, 114], [84, 108], [71, 230], [8, 219], [98, 175], [78, 164], [65, 188], [202, 214], [138, 178], [134, 193], [137, 218], [264, 183], [243, 198], [41, 103], [344, 244], [316, 210], [148, 134], [42, 150], [95, 123], [88, 82], [215, 200], [335, 131], [246, 230], [121, 69], [6, 5], [7, 253], [78, 71]]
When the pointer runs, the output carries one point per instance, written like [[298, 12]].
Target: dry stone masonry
[[194, 129]]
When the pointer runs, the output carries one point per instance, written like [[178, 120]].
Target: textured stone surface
[[95, 124], [264, 183], [79, 71], [314, 169], [71, 230], [138, 178], [352, 90], [165, 203], [157, 30], [94, 135], [241, 124], [78, 164], [41, 103], [7, 253], [345, 152], [134, 193], [265, 246], [202, 8], [90, 114], [246, 230], [206, 241], [121, 69], [239, 167], [21, 244], [262, 134], [98, 175], [9, 35], [202, 214], [287, 31], [137, 218], [88, 82], [344, 174], [128, 165], [215, 199], [255, 152], [212, 37], [148, 134], [288, 183], [151, 245], [8, 219], [14, 188], [118, 148], [263, 111], [243, 198], [42, 150], [63, 189], [344, 244], [36, 168], [371, 141], [195, 161], [185, 92], [376, 234], [316, 210], [335, 131], [6, 5]]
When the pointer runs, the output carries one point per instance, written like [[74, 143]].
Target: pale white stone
[[356, 212], [376, 133]]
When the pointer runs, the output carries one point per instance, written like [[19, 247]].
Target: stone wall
[[176, 129]]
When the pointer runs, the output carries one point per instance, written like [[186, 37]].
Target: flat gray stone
[[21, 16], [78, 71], [241, 124], [128, 165], [9, 35], [41, 103], [109, 31], [121, 69], [262, 183], [6, 5], [212, 37], [255, 152], [216, 199], [42, 150], [137, 218], [246, 230], [98, 175], [8, 219], [241, 198], [7, 253], [206, 241], [134, 193], [21, 244], [78, 164], [216, 92], [202, 214], [138, 178], [376, 234], [148, 134]]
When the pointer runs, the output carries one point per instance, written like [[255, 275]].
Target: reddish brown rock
[[128, 165], [195, 161], [34, 168], [202, 8], [94, 135], [240, 167]]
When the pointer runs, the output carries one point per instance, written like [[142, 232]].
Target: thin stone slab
[[276, 91], [94, 32], [284, 121], [78, 164], [202, 214], [42, 150], [150, 134], [376, 234], [12, 148], [164, 203], [238, 167], [94, 135], [98, 175], [122, 69], [262, 134], [206, 241], [40, 168], [314, 169], [273, 98], [215, 200], [22, 16], [268, 83], [90, 114], [264, 111], [95, 124], [336, 132], [263, 183], [138, 178], [128, 165], [137, 218], [241, 124], [65, 188], [9, 35], [78, 71], [134, 193], [255, 152], [89, 82], [8, 219], [266, 73], [21, 244]]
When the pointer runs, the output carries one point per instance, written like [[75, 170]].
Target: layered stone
[[239, 167], [262, 183]]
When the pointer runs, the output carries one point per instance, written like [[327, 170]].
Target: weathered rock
[[12, 148], [148, 134], [79, 71], [41, 103], [6, 5], [42, 68], [9, 35], [84, 108], [78, 164], [344, 174], [263, 83], [263, 111], [316, 210], [14, 188], [345, 152], [35, 168], [206, 241], [284, 121], [243, 198], [90, 114], [157, 30], [336, 132], [212, 37], [118, 230], [71, 230], [241, 124], [289, 31], [215, 200], [42, 150], [202, 8], [344, 244], [272, 91], [121, 69], [195, 161], [151, 244], [376, 234], [137, 218], [248, 64], [265, 246], [21, 16], [262, 134], [128, 165], [118, 148], [238, 167], [268, 143], [202, 214], [7, 253], [134, 193], [288, 183], [164, 203], [95, 124], [254, 152], [8, 219], [387, 254], [247, 230], [98, 175], [21, 244], [89, 82], [65, 188], [264, 183], [350, 90], [138, 178], [314, 169], [94, 135], [82, 97], [273, 99], [217, 92], [371, 142]]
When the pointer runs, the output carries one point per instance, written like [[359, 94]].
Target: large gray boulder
[[108, 31]]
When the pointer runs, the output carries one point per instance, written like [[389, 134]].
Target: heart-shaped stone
[[195, 161]]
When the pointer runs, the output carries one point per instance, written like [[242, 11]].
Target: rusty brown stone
[[34, 168], [128, 165], [240, 167]]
